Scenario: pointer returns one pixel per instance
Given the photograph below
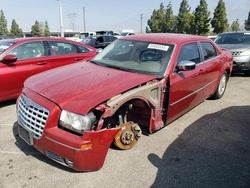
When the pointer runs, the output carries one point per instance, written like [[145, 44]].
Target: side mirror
[[8, 59], [186, 65]]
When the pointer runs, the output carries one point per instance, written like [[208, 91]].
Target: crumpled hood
[[80, 87], [235, 47]]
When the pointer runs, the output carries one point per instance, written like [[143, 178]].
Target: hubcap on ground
[[128, 136]]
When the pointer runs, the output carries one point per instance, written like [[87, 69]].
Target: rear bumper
[[82, 153]]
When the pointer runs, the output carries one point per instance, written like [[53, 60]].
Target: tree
[[46, 29], [3, 24], [170, 19], [235, 25], [247, 23], [157, 20], [15, 30], [36, 30], [219, 21], [201, 19], [184, 18]]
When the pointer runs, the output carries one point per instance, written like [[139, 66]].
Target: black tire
[[221, 88], [247, 73]]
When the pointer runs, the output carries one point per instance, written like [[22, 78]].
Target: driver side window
[[28, 50], [189, 52]]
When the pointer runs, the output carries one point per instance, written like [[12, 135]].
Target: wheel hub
[[128, 136]]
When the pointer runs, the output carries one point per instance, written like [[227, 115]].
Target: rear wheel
[[221, 88]]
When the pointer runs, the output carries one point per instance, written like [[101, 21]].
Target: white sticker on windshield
[[158, 47], [246, 33]]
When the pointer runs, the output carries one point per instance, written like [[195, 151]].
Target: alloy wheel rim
[[222, 85]]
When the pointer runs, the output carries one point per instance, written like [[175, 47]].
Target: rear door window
[[58, 48], [82, 49], [189, 52], [208, 50]]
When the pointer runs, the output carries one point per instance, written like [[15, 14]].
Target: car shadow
[[29, 150], [213, 152], [7, 103]]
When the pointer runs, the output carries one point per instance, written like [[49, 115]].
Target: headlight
[[75, 122], [245, 53]]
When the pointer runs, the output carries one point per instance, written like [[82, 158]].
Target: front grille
[[32, 116], [236, 53]]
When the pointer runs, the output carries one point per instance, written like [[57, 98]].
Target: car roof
[[21, 40], [168, 38]]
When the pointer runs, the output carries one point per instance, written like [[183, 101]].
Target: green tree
[[15, 29], [36, 29], [219, 21], [3, 24], [46, 29], [157, 20], [201, 19], [235, 25], [184, 18], [247, 23], [170, 19]]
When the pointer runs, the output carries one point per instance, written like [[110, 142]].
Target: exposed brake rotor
[[128, 136]]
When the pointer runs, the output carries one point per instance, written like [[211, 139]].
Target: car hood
[[82, 86], [234, 47]]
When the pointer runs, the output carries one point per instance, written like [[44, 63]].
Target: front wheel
[[128, 136], [221, 88]]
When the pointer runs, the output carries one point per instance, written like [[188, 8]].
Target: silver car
[[239, 45]]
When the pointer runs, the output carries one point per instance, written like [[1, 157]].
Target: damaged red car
[[137, 84]]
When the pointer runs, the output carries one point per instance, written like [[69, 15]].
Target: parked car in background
[[21, 58], [99, 41], [9, 36], [238, 43], [140, 82], [127, 33], [86, 34], [104, 33]]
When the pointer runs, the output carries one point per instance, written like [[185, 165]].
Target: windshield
[[233, 38], [136, 56], [4, 45]]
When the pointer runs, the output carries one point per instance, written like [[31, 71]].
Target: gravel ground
[[207, 147]]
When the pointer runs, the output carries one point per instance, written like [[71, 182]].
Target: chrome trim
[[32, 116], [75, 149], [174, 103]]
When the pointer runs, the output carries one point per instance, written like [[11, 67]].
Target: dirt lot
[[207, 147]]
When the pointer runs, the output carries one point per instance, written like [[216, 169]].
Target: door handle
[[42, 63], [201, 71], [78, 59]]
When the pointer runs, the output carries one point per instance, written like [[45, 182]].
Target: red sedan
[[141, 82], [21, 58]]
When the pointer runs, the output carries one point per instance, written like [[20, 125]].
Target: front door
[[31, 59], [186, 86]]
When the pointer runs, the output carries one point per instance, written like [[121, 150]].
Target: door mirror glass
[[186, 65], [8, 59]]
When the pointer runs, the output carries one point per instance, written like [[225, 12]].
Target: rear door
[[212, 64], [63, 53], [31, 59], [186, 87]]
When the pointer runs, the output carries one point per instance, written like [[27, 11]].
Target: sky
[[103, 15]]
